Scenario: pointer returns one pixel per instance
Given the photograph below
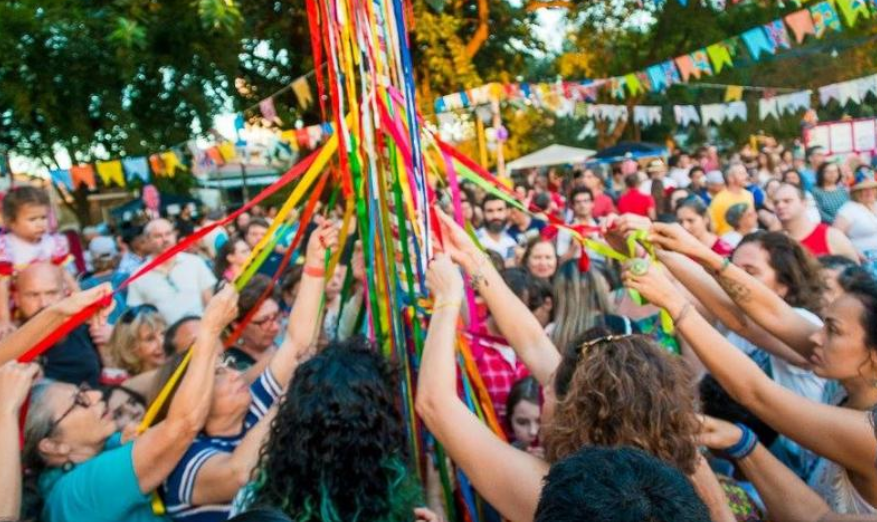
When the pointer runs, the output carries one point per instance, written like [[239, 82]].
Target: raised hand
[[15, 382], [324, 238], [426, 515], [457, 242], [718, 434], [651, 282], [77, 301], [671, 236], [444, 280], [221, 310]]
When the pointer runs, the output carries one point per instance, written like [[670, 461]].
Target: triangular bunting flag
[[686, 67], [720, 56], [867, 85], [671, 73], [768, 107], [701, 62], [644, 81], [111, 171], [777, 34], [226, 150], [851, 9], [83, 174], [646, 115], [848, 91], [733, 93], [824, 18], [62, 177], [136, 167], [712, 113], [633, 85], [686, 115], [828, 93], [171, 162], [736, 111], [157, 165], [302, 92], [757, 42], [269, 112], [616, 87], [801, 24], [657, 78]]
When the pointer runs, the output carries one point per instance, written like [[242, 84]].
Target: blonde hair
[[580, 301], [122, 347]]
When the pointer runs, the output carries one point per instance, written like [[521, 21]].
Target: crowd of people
[[691, 338]]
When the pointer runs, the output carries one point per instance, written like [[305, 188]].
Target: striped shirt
[[180, 485]]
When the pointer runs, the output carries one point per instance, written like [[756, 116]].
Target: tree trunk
[[482, 32]]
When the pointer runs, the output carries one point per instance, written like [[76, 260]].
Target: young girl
[[27, 240]]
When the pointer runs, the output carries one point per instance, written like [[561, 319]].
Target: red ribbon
[[83, 315]]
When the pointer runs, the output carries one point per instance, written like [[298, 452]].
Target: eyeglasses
[[132, 313], [265, 320], [79, 399]]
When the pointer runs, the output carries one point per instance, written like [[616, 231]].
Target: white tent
[[551, 155]]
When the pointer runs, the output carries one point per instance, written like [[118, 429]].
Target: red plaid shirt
[[497, 373]]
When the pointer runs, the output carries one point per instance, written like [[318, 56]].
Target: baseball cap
[[102, 246], [715, 177]]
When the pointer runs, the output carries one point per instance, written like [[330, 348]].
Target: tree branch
[[482, 32], [535, 5]]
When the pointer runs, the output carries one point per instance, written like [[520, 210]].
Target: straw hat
[[656, 166]]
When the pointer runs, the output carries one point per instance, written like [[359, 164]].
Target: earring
[[67, 466]]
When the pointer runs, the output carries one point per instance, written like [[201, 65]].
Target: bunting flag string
[[759, 42]]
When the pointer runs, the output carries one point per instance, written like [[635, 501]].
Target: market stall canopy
[[551, 155], [635, 150]]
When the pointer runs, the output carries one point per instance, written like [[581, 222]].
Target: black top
[[74, 360]]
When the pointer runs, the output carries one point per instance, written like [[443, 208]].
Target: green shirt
[[103, 488]]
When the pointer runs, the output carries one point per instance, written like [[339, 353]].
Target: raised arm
[[23, 339], [15, 382], [304, 321], [225, 473], [786, 497], [840, 244], [756, 300], [509, 479], [711, 295], [520, 328], [157, 452], [839, 434]]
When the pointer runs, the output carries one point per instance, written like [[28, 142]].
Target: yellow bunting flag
[[171, 163], [633, 84], [226, 149], [111, 171], [303, 92], [733, 93]]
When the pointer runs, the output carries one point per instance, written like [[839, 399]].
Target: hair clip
[[600, 340]]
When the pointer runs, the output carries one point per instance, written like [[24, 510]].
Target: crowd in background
[[689, 338]]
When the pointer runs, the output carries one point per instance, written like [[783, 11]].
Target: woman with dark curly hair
[[605, 390], [336, 448]]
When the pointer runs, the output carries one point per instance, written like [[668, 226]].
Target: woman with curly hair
[[137, 342], [604, 390], [336, 448]]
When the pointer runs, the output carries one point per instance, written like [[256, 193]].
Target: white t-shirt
[[863, 225], [680, 177], [803, 382], [177, 293], [504, 246], [732, 238]]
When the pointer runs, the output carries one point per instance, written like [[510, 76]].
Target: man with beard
[[179, 287], [493, 235]]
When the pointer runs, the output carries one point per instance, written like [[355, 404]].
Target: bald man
[[75, 359], [178, 288]]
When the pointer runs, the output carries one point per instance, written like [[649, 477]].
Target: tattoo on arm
[[739, 292]]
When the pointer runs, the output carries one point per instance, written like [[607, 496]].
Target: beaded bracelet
[[743, 447]]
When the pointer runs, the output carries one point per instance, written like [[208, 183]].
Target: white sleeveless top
[[832, 483]]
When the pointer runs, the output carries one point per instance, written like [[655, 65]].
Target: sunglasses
[[132, 313], [80, 399]]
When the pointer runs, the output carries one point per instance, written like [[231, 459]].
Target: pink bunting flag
[[686, 67], [801, 24], [269, 112]]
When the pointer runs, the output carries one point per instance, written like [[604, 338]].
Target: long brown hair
[[623, 391]]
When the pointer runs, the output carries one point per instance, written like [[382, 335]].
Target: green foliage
[[111, 78]]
